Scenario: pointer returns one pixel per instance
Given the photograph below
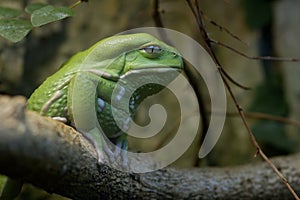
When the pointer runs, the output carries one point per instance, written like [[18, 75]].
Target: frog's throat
[[158, 70], [116, 78]]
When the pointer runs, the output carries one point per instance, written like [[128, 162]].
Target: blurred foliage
[[9, 13], [14, 27], [2, 182], [269, 98], [47, 14], [258, 13], [30, 192]]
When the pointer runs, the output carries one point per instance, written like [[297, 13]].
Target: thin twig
[[156, 13], [78, 3], [222, 28], [158, 22], [233, 81], [254, 57], [201, 27], [264, 116], [208, 42]]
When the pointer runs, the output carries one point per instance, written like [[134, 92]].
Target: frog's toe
[[101, 148], [124, 158], [110, 154], [100, 157], [60, 119], [121, 150]]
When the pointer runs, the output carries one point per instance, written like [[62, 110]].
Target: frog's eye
[[151, 51]]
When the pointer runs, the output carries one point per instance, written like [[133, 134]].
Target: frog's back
[[53, 91], [44, 94]]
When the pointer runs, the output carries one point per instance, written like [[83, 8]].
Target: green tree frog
[[104, 64]]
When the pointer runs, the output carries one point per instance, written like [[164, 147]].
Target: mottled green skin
[[116, 56], [57, 82]]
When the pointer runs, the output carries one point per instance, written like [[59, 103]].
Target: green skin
[[92, 75]]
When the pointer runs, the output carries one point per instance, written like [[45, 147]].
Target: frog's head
[[141, 52], [151, 53], [133, 59], [148, 60]]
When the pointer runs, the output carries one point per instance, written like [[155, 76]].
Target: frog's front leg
[[82, 110], [122, 147], [53, 99], [97, 140], [113, 132]]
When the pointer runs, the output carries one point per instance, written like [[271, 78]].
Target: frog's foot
[[107, 151], [101, 147], [60, 119], [121, 150], [104, 150]]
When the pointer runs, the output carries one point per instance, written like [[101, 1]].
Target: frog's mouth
[[154, 72], [147, 71]]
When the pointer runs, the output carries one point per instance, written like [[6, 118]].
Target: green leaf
[[34, 6], [9, 13], [14, 29], [49, 14]]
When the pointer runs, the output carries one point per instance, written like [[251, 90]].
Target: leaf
[[49, 14], [14, 29], [34, 6], [9, 13]]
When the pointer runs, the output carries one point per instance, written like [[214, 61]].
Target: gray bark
[[56, 158]]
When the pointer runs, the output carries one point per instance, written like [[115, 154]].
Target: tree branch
[[56, 158]]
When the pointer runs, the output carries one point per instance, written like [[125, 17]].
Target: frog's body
[[105, 63]]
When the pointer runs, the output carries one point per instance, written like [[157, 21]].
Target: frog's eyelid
[[152, 49]]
